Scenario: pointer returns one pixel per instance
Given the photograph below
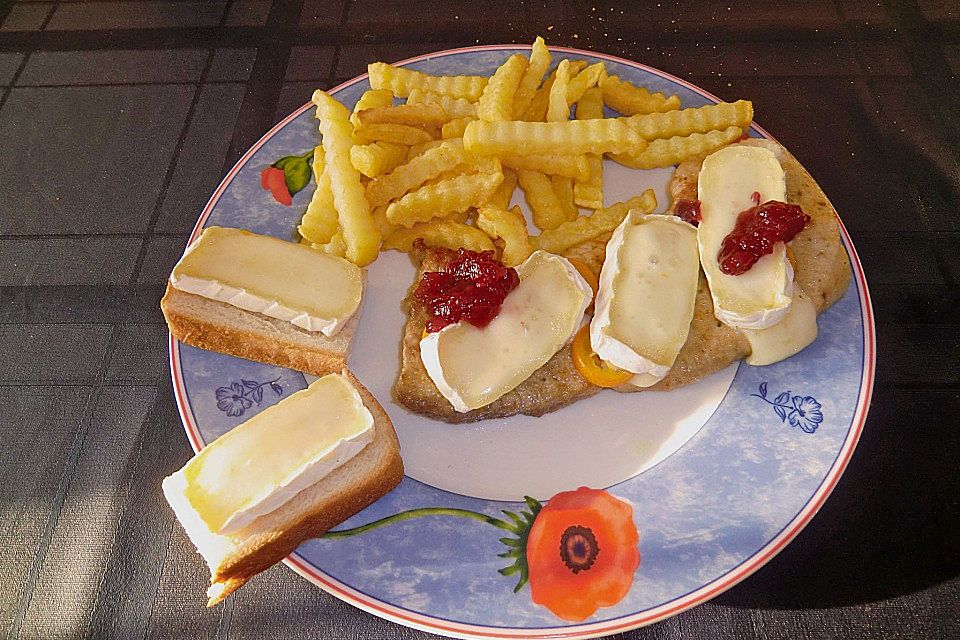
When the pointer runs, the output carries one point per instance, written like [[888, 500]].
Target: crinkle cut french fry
[[683, 122], [380, 217], [453, 107], [455, 128], [504, 193], [423, 147], [377, 158], [563, 188], [589, 193], [588, 227], [371, 99], [319, 223], [361, 236], [395, 133], [630, 99], [670, 151], [586, 79], [428, 165], [511, 227], [537, 111], [547, 210], [571, 166], [440, 233], [423, 116], [496, 103], [539, 62], [558, 109], [402, 81], [335, 247], [443, 198], [532, 138]]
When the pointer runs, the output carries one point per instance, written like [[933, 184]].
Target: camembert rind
[[760, 297], [260, 465], [473, 367], [645, 302], [786, 338], [283, 280]]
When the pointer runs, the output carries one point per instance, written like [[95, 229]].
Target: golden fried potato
[[453, 107], [455, 128], [683, 122], [361, 236], [537, 111], [395, 133], [426, 166], [443, 198], [496, 103], [589, 192], [504, 194], [377, 158], [371, 99], [402, 81], [669, 151], [586, 228], [440, 233], [586, 79], [558, 109], [569, 137], [422, 116], [563, 189], [319, 223], [630, 100], [571, 166], [547, 210], [511, 227], [539, 62]]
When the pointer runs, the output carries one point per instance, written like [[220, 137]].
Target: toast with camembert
[[288, 474], [264, 299]]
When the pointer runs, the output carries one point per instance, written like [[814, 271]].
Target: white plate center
[[596, 442]]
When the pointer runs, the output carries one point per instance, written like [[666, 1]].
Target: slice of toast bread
[[218, 326], [552, 386], [346, 490]]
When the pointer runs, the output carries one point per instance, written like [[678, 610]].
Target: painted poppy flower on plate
[[578, 553], [582, 553]]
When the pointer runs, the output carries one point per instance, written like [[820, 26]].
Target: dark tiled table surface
[[117, 120]]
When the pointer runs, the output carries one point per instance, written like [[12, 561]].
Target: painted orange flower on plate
[[582, 553], [578, 553]]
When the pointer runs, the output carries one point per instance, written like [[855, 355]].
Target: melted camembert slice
[[472, 367]]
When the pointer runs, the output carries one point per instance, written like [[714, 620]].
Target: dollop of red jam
[[688, 211], [470, 287], [757, 230]]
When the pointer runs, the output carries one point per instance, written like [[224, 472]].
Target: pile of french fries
[[442, 166]]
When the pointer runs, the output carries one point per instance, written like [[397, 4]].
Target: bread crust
[[280, 537], [221, 327]]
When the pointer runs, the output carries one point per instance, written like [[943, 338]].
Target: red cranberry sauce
[[470, 287], [757, 230], [688, 211]]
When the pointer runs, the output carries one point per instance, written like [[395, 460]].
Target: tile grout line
[[265, 82], [49, 17], [66, 479], [171, 170], [338, 48], [13, 80]]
